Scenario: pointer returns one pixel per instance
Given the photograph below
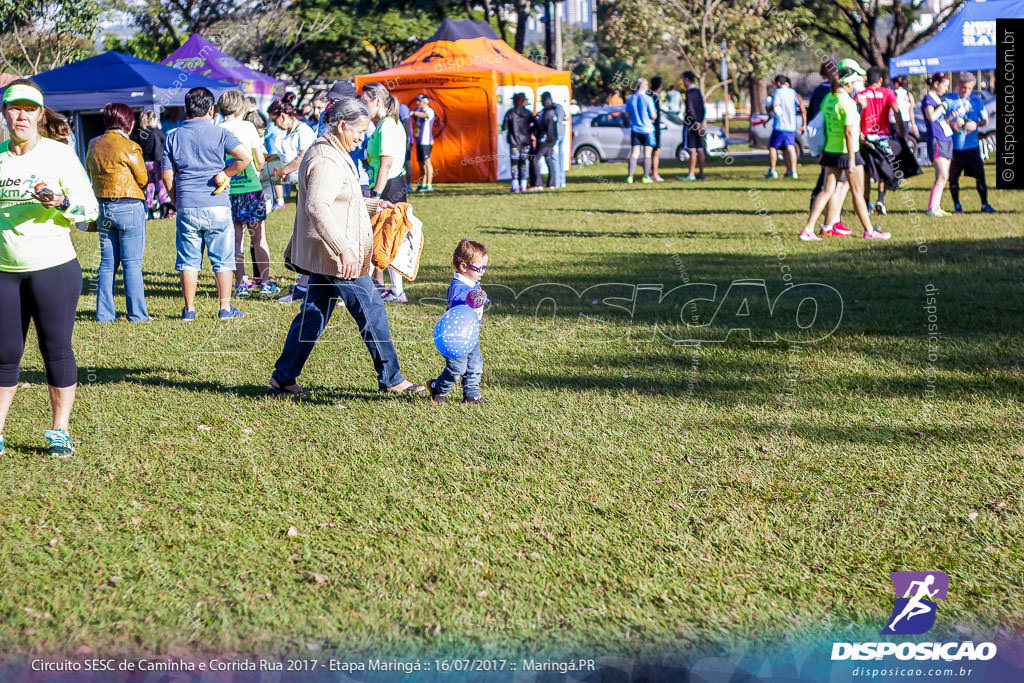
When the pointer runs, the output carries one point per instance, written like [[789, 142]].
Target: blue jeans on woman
[[366, 307], [122, 228]]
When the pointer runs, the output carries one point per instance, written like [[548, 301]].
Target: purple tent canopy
[[199, 56]]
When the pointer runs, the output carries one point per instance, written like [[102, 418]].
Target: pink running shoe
[[876, 234], [809, 236], [841, 230]]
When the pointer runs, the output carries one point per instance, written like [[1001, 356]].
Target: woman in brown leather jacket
[[119, 179]]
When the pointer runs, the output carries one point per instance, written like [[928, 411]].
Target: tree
[[754, 31], [363, 36], [523, 9], [876, 30], [39, 35], [141, 45], [270, 37], [163, 25]]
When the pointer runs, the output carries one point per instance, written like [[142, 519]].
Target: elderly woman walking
[[332, 242]]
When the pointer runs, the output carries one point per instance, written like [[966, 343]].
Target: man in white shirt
[[785, 105], [423, 122]]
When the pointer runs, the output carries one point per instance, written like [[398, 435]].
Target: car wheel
[[586, 156], [682, 155]]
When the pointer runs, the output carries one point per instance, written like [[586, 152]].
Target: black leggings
[[50, 297]]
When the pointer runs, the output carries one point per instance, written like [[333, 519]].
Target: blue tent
[[967, 43], [115, 77]]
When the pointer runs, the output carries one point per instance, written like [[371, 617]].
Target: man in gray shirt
[[199, 161]]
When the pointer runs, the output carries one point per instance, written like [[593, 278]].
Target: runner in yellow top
[[44, 191], [841, 156]]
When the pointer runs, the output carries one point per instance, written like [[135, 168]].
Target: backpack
[[816, 134]]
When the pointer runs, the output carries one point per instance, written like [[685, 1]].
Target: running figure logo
[[914, 611]]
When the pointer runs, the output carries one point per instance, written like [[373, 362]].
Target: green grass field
[[625, 488]]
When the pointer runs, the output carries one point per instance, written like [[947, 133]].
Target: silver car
[[761, 127], [602, 134]]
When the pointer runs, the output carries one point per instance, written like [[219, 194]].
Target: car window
[[611, 120]]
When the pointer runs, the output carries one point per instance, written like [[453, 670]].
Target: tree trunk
[[487, 11], [758, 92], [469, 10], [522, 15]]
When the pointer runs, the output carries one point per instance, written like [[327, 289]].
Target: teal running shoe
[[61, 445]]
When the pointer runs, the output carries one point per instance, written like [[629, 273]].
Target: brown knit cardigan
[[332, 215]]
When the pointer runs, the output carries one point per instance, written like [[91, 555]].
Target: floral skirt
[[248, 207]]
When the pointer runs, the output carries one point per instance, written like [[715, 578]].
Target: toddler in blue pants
[[470, 261]]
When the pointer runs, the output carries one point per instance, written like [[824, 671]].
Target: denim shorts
[[208, 226]]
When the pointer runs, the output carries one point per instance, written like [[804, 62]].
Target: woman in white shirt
[[385, 154], [905, 103], [296, 139]]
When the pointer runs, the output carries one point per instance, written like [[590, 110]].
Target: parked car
[[602, 134], [761, 127]]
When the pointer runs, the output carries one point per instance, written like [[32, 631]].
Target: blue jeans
[[470, 368], [365, 305], [122, 230], [557, 163]]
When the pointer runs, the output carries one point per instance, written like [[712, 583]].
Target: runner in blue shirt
[[640, 108], [785, 107], [970, 114]]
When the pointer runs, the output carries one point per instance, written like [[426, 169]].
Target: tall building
[[930, 10], [582, 13]]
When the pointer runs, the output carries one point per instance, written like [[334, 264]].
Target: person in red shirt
[[876, 104]]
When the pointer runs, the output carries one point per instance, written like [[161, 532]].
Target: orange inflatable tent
[[470, 75]]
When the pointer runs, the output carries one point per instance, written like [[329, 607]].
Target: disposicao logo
[[914, 613]]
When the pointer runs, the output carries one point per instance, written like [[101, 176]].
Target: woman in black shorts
[[841, 156]]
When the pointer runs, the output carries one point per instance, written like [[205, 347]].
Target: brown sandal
[[281, 391]]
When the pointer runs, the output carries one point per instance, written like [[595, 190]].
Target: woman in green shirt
[[841, 155], [44, 191], [385, 153]]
